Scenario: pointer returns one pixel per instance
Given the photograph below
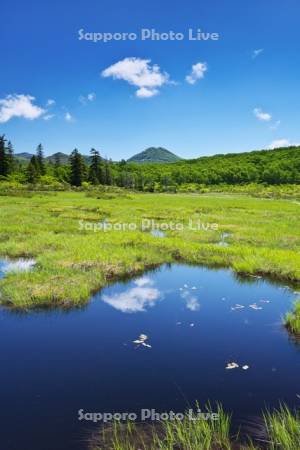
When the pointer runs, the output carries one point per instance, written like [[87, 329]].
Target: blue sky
[[236, 100]]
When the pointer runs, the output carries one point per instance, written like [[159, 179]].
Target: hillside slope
[[155, 155]]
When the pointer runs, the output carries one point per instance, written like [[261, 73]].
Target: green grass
[[72, 263], [282, 432], [167, 435], [292, 319], [283, 428]]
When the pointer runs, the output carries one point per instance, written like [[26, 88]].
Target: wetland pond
[[197, 320]]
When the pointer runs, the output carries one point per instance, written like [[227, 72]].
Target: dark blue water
[[56, 363]]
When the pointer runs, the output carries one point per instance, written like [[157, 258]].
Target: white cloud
[[261, 115], [48, 117], [275, 125], [197, 72], [257, 52], [50, 102], [192, 304], [69, 117], [282, 143], [143, 281], [144, 92], [133, 300], [89, 98], [139, 73], [19, 106]]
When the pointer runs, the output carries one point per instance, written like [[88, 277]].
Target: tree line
[[280, 166]]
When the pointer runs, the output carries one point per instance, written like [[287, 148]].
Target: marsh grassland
[[279, 430], [74, 257]]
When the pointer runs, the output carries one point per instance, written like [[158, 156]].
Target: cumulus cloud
[[143, 281], [144, 92], [133, 300], [19, 106], [261, 115], [197, 72], [89, 98], [257, 52], [278, 143], [192, 302], [50, 102], [69, 117], [139, 73], [48, 117], [275, 125]]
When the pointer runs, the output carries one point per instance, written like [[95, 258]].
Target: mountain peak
[[154, 155]]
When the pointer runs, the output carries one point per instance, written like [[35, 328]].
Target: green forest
[[268, 167]]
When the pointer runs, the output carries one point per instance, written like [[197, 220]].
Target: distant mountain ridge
[[63, 157], [150, 155], [154, 155]]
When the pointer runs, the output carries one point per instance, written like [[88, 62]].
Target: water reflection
[[138, 298], [191, 300], [17, 265]]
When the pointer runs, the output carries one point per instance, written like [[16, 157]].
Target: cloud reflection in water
[[136, 299]]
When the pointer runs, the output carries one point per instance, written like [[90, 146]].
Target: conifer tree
[[78, 168], [57, 164], [96, 169], [10, 158], [40, 160], [32, 171], [4, 168]]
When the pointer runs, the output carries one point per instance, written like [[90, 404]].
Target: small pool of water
[[158, 233], [223, 242], [197, 321], [16, 265]]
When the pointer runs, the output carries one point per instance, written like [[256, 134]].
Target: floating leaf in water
[[141, 339], [146, 345], [237, 306], [232, 365], [254, 306]]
